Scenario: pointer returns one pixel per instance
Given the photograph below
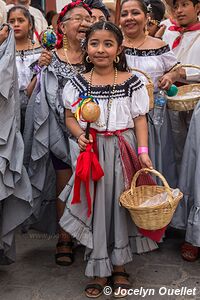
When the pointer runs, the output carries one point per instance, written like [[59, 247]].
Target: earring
[[65, 42], [117, 59], [30, 34], [88, 59], [146, 32]]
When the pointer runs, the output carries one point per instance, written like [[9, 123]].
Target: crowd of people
[[46, 145]]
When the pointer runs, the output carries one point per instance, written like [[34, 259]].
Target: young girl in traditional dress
[[121, 128], [28, 51]]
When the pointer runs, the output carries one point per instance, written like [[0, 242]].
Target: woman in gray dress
[[154, 57], [16, 193], [47, 154]]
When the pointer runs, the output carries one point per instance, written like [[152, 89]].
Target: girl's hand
[[165, 81], [45, 58], [145, 161], [4, 34], [83, 142]]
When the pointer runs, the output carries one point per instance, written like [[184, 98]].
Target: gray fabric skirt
[[187, 215], [109, 234], [161, 148]]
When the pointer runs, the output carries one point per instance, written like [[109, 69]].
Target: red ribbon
[[87, 166], [182, 30]]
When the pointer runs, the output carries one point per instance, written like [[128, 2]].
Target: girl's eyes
[[93, 44], [12, 21], [96, 44], [133, 13], [184, 5], [108, 44]]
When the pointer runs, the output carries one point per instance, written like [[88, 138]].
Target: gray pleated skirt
[[161, 148], [109, 235], [187, 215]]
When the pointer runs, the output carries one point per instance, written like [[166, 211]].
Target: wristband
[[142, 150]]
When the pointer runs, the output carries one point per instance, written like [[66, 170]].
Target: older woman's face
[[132, 18], [76, 23]]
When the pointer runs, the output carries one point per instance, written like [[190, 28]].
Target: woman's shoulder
[[154, 43]]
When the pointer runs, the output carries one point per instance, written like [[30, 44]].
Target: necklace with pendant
[[130, 44]]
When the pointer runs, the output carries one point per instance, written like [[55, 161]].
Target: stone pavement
[[35, 276]]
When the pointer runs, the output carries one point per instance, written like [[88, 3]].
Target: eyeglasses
[[79, 19]]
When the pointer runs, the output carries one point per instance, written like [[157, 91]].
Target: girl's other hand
[[83, 142], [3, 33], [145, 161], [45, 58], [165, 82]]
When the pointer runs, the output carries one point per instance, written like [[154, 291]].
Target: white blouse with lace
[[154, 62], [128, 101], [24, 59]]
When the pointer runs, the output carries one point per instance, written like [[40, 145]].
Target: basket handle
[[190, 66], [142, 72], [153, 171]]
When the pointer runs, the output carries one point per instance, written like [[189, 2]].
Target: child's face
[[185, 12], [20, 24], [102, 48]]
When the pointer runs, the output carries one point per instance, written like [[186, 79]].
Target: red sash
[[182, 29]]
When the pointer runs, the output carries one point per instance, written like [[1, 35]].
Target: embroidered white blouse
[[128, 101], [154, 62], [23, 66]]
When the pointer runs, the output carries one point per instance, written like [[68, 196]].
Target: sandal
[[118, 287], [189, 252], [69, 255], [97, 286]]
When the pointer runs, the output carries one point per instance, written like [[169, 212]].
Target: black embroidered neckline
[[147, 52]]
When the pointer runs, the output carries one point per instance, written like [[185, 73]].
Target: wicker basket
[[149, 86], [185, 104], [153, 217]]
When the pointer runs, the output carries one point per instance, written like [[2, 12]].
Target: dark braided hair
[[105, 25], [98, 4]]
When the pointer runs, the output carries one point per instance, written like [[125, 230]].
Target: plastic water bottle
[[159, 108]]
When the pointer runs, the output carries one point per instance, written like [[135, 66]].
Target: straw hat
[[110, 4]]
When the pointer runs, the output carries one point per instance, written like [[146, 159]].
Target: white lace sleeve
[[192, 74], [169, 60], [70, 95], [139, 102]]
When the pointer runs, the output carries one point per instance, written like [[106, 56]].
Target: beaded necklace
[[68, 61], [110, 100], [22, 53]]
